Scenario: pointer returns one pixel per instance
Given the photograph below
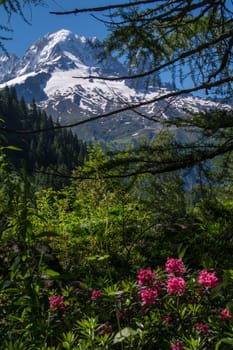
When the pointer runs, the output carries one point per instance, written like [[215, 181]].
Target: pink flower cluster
[[96, 294], [202, 328], [56, 302], [176, 285], [146, 277], [208, 279], [175, 266], [225, 314], [178, 345], [149, 296]]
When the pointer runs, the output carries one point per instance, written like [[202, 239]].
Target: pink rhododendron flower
[[225, 314], [208, 279], [56, 302], [176, 285], [149, 295], [146, 277], [202, 328], [178, 345], [96, 293], [175, 266]]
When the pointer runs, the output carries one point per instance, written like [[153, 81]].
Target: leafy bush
[[83, 267], [171, 308]]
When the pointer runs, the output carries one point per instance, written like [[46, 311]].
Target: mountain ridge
[[46, 74]]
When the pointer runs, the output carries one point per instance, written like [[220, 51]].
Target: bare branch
[[104, 8]]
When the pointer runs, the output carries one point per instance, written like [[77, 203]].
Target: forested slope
[[55, 150]]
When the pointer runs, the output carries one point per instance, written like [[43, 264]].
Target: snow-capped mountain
[[51, 71]]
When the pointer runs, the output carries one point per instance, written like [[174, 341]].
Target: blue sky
[[43, 22]]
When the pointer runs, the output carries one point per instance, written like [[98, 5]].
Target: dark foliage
[[55, 151]]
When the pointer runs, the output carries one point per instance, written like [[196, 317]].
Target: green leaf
[[230, 273], [181, 250], [228, 341], [13, 148], [92, 258], [53, 274], [225, 341], [123, 334], [99, 258], [103, 257]]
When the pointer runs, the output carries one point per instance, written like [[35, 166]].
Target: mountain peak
[[60, 35], [62, 50], [64, 35]]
